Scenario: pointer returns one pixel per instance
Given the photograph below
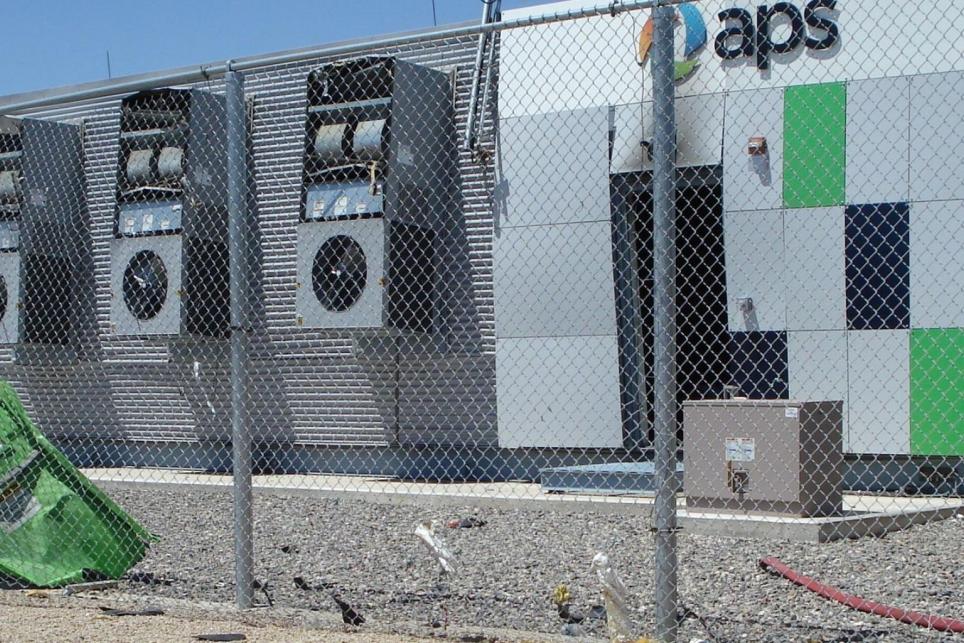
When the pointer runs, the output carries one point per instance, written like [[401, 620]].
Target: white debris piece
[[436, 546], [614, 598]]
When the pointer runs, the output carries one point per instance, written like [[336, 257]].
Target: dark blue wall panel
[[878, 266], [758, 364]]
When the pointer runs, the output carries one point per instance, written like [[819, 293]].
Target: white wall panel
[[553, 281], [878, 121], [753, 183], [878, 391], [755, 267], [555, 168], [558, 392], [699, 138], [937, 136], [816, 272], [936, 268], [589, 62], [818, 368]]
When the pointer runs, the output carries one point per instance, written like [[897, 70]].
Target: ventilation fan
[[145, 285], [339, 273]]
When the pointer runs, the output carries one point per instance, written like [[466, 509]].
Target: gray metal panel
[[748, 185], [936, 137], [816, 289], [555, 281], [340, 200], [168, 320], [558, 392], [149, 217], [555, 167], [877, 140], [369, 310], [10, 315]]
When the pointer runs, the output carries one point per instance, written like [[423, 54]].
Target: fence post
[[664, 302], [239, 267]]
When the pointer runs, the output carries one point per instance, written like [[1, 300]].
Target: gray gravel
[[508, 568]]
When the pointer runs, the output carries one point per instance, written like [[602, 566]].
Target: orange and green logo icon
[[694, 40]]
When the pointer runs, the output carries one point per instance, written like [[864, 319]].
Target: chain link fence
[[680, 286]]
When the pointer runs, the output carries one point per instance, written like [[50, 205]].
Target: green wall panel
[[814, 145], [937, 391]]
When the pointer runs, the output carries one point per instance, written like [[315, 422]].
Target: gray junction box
[[766, 456]]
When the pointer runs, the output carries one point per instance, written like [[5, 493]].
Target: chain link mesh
[[436, 308]]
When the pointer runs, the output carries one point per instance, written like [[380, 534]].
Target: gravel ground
[[508, 568]]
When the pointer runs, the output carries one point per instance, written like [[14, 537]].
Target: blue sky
[[48, 43]]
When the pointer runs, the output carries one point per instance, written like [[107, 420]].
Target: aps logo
[[745, 35], [694, 40]]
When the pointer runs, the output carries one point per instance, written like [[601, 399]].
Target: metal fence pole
[[239, 265], [664, 301]]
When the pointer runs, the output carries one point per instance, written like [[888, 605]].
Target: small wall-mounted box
[[763, 456], [757, 146]]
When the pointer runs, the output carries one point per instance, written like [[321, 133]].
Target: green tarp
[[56, 527]]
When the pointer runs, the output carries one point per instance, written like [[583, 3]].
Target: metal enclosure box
[[376, 185], [766, 456], [169, 255], [45, 237]]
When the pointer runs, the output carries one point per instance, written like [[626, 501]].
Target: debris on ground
[[37, 593], [95, 586], [614, 599], [263, 588], [39, 488], [348, 614], [465, 523], [305, 586], [425, 531], [148, 578], [108, 611], [221, 637], [289, 549]]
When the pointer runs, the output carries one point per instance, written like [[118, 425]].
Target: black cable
[[434, 17]]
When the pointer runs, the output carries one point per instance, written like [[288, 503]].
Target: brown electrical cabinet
[[766, 456]]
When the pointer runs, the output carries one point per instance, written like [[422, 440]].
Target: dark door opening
[[700, 295]]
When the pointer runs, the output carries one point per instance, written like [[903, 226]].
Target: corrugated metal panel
[[311, 386]]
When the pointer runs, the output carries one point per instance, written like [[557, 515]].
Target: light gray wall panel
[[559, 392], [937, 137], [555, 281], [555, 167], [878, 391], [755, 268], [817, 363], [753, 113], [816, 280], [936, 268], [877, 140]]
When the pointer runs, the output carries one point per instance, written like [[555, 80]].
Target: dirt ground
[[22, 624]]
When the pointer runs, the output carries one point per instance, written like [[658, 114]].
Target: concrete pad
[[864, 514]]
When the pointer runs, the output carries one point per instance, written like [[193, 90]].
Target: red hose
[[930, 621]]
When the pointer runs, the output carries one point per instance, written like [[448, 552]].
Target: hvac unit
[[44, 257], [378, 137], [169, 257]]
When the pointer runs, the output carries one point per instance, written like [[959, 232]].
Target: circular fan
[[145, 285], [3, 297], [339, 273]]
